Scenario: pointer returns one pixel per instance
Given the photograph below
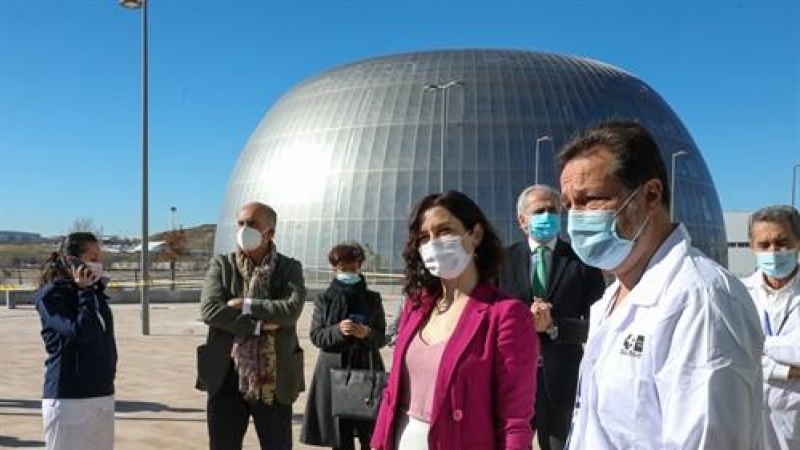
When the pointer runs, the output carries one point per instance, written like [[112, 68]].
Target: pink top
[[420, 368], [486, 381]]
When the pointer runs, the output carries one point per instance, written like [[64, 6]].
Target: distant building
[[153, 246], [19, 237], [741, 260]]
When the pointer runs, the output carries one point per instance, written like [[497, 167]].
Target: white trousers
[[412, 434], [84, 423]]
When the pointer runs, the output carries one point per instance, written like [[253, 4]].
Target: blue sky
[[70, 87]]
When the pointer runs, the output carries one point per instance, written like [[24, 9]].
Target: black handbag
[[202, 368], [356, 393]]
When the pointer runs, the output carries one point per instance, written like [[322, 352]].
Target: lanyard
[[767, 324]]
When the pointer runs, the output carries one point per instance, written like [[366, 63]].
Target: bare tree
[[175, 245], [86, 224]]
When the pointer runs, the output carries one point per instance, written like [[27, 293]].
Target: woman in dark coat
[[348, 326], [78, 334]]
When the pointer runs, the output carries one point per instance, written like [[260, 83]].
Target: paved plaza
[[157, 405]]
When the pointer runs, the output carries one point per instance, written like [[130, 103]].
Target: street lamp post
[[536, 162], [794, 182], [173, 217], [444, 87], [673, 176], [145, 254]]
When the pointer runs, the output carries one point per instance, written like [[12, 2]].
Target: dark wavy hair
[[488, 254], [348, 252], [74, 245]]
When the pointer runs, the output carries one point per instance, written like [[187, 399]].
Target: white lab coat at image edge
[[780, 351], [677, 366]]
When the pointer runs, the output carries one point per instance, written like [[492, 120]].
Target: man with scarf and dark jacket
[[348, 326], [252, 363]]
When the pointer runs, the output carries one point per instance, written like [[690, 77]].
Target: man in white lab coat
[[673, 359], [774, 234]]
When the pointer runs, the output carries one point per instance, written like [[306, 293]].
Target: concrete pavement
[[157, 405]]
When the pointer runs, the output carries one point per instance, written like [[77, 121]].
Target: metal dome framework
[[346, 154]]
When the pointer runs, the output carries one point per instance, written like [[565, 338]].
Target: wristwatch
[[552, 331]]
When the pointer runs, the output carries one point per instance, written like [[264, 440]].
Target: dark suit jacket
[[287, 294], [572, 287]]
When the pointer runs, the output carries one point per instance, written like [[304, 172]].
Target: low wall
[[118, 296]]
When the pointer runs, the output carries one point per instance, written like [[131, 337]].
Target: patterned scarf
[[254, 357]]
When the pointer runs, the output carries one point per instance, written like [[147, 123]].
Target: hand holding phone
[[81, 274], [357, 318]]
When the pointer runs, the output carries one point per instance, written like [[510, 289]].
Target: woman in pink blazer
[[464, 370]]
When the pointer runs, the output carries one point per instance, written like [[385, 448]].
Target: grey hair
[[522, 200], [272, 217], [269, 213], [777, 213]]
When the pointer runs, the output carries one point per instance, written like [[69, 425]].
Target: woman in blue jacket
[[78, 334]]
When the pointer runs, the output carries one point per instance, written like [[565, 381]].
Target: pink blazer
[[486, 385]]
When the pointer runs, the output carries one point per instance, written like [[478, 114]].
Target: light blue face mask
[[778, 264], [348, 277], [594, 237], [544, 227]]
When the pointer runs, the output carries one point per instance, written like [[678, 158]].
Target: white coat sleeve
[[774, 370], [783, 349], [710, 387]]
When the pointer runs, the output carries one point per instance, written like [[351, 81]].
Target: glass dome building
[[345, 155]]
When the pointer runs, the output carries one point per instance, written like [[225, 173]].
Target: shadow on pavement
[[134, 407], [12, 442], [20, 403], [121, 406]]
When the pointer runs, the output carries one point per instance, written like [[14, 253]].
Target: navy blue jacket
[[78, 334]]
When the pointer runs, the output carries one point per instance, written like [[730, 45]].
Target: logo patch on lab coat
[[633, 345]]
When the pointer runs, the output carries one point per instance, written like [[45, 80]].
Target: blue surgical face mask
[[348, 277], [778, 264], [544, 227], [594, 236]]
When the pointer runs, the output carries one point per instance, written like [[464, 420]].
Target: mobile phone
[[357, 318], [73, 263], [77, 264]]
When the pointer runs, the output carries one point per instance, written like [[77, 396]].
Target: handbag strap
[[371, 362], [351, 352]]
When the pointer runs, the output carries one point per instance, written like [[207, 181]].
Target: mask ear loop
[[641, 229], [643, 225], [627, 202], [622, 208]]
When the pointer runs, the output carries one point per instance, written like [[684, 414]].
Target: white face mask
[[445, 257], [249, 238], [96, 268]]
